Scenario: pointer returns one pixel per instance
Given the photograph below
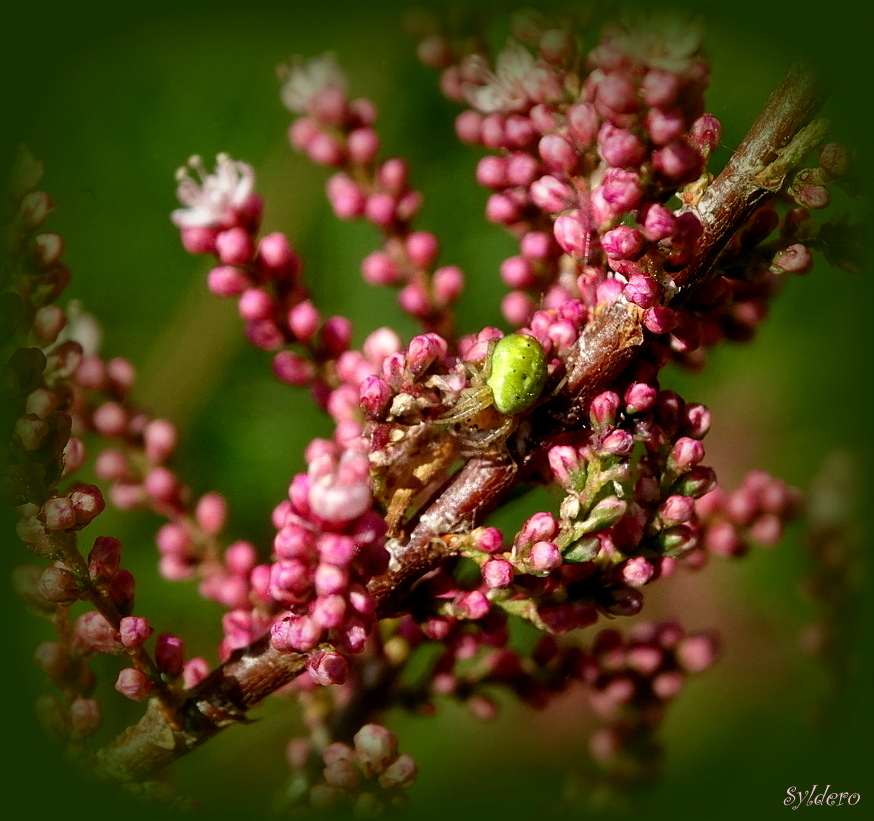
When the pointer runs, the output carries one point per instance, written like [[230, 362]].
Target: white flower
[[506, 88], [213, 199], [304, 80], [662, 40]]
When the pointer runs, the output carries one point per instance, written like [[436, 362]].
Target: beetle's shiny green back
[[518, 373]]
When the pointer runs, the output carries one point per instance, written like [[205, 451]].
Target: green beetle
[[510, 383]]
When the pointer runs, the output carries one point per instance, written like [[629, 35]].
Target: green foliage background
[[113, 98]]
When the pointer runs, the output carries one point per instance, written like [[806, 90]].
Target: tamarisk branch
[[610, 341]]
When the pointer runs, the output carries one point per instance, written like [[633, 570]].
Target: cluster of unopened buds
[[382, 544]]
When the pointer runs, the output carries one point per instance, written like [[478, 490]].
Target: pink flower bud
[[473, 604], [698, 652], [640, 396], [234, 246], [58, 513], [796, 259], [292, 368], [160, 440], [169, 653], [544, 556], [686, 453], [375, 748], [94, 632], [637, 572], [619, 147], [705, 134], [676, 510], [327, 668], [52, 658], [194, 671], [623, 242], [134, 684], [558, 152], [583, 121], [603, 409], [552, 195], [497, 573], [489, 540], [659, 319], [84, 717], [104, 558], [58, 585], [400, 774], [542, 526], [134, 630], [211, 513]]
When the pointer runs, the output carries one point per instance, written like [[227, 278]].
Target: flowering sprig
[[383, 548]]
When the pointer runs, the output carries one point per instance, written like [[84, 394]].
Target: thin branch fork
[[608, 344]]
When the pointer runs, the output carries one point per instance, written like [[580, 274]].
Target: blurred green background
[[114, 98]]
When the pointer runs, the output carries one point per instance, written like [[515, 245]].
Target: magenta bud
[[639, 397], [497, 573], [834, 159], [697, 420], [211, 513], [810, 196], [375, 748], [88, 503], [558, 152], [94, 632], [637, 572], [58, 513], [194, 671], [489, 540], [134, 630], [169, 653], [58, 585], [678, 161], [667, 685], [134, 684], [375, 396], [698, 652], [676, 510], [705, 134], [327, 668], [619, 147], [659, 319], [473, 604], [617, 443], [623, 242], [686, 453], [796, 259], [400, 774], [104, 558], [698, 481], [583, 122], [564, 461], [544, 556], [52, 658], [292, 368], [658, 222], [542, 526], [642, 290], [84, 717], [603, 409], [573, 234]]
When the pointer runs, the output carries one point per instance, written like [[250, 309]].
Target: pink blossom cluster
[[384, 558], [369, 775], [340, 133]]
